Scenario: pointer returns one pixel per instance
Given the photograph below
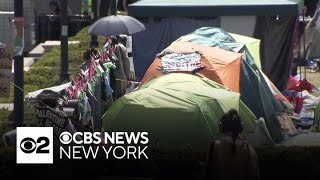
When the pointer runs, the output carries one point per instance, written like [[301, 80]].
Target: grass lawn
[[314, 78]]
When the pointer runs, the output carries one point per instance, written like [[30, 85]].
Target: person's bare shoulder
[[217, 145], [253, 152]]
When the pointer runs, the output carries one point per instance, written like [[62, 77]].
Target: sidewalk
[[8, 106], [307, 139]]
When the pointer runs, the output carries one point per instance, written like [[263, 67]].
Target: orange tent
[[219, 65]]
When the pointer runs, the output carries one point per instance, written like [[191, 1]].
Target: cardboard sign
[[5, 80], [47, 117], [6, 56]]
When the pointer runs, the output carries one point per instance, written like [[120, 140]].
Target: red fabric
[[297, 85], [92, 68], [299, 104]]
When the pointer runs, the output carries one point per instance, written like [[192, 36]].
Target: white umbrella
[[116, 25]]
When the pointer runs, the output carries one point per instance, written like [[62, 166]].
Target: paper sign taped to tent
[[181, 62]]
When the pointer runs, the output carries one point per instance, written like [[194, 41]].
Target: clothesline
[[86, 86], [44, 104], [135, 82], [86, 80]]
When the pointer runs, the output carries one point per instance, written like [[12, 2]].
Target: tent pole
[[304, 47], [299, 54]]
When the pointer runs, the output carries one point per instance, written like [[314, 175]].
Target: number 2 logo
[[29, 145]]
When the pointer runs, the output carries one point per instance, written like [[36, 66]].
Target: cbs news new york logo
[[34, 145]]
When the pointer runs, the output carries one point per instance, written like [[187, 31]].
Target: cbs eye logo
[[65, 138], [34, 145], [29, 145]]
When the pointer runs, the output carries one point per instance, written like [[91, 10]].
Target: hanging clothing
[[99, 71], [107, 88], [120, 86], [106, 79], [91, 86], [125, 62], [84, 108], [276, 51], [108, 66]]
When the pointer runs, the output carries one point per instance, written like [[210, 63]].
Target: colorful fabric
[[113, 57], [92, 68], [120, 87], [91, 86], [181, 62], [125, 61], [109, 66], [99, 71], [84, 108], [107, 88]]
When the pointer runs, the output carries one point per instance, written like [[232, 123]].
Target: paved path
[[8, 106], [306, 139]]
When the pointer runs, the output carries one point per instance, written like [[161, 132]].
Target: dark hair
[[54, 3], [51, 102], [122, 39], [231, 122], [48, 98], [114, 41]]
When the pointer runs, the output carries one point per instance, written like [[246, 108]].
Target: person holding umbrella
[[114, 26], [122, 74]]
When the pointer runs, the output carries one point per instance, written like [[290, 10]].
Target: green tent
[[178, 111], [316, 121], [254, 89], [252, 44]]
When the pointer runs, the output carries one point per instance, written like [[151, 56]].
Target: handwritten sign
[[46, 117], [181, 62], [5, 79], [6, 56]]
